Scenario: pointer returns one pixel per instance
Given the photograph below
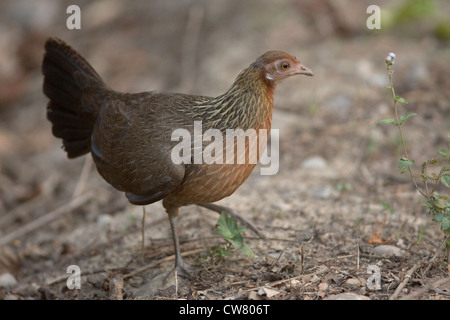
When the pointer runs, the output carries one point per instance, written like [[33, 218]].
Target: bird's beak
[[301, 69]]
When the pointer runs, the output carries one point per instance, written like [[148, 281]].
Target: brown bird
[[129, 135]]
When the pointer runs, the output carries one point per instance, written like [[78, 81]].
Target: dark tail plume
[[66, 73]]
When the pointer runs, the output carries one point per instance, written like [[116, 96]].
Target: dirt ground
[[338, 206]]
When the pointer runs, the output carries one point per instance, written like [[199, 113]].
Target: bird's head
[[277, 65]]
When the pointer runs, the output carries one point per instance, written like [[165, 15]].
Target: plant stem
[[437, 180], [399, 126]]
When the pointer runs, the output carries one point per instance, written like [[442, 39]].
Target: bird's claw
[[180, 269]]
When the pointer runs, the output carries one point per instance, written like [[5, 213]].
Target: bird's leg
[[231, 213], [180, 268]]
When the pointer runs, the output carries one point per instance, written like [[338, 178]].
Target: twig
[[143, 233], [405, 280], [83, 274], [275, 283], [126, 275], [277, 259], [302, 257], [22, 210], [47, 218], [357, 258], [158, 262], [433, 286], [79, 188], [436, 254]]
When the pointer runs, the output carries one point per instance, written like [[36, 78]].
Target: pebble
[[7, 280], [104, 220], [320, 192], [352, 283], [268, 292], [280, 206], [388, 251], [272, 257], [245, 273], [314, 162], [347, 296]]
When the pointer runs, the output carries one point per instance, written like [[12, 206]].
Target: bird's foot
[[180, 269]]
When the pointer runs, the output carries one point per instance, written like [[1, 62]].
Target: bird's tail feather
[[65, 72]]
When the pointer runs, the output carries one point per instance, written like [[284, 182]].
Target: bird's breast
[[208, 182]]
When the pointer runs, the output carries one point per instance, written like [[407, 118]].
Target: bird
[[129, 135]]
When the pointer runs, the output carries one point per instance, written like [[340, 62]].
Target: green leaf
[[400, 99], [407, 116], [232, 233], [247, 251], [429, 204], [404, 164], [228, 227], [446, 168], [220, 252], [445, 223], [439, 204], [223, 226], [438, 217], [387, 207], [237, 241], [443, 153], [445, 179], [388, 121]]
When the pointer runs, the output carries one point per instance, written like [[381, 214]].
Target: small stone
[[347, 296], [388, 251], [104, 220], [269, 293], [320, 192], [352, 283], [305, 235], [7, 281], [281, 207], [314, 162], [254, 296], [245, 273], [272, 257]]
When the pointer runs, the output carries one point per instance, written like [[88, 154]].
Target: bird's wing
[[131, 146]]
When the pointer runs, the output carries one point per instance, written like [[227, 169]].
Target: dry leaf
[[376, 238], [269, 293]]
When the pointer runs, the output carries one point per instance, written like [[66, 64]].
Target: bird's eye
[[285, 65]]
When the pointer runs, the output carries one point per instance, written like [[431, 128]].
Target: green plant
[[232, 233], [387, 207], [343, 186], [437, 203]]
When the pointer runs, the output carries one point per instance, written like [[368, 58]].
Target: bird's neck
[[247, 104]]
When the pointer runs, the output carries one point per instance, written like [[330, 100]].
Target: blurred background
[[337, 165]]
